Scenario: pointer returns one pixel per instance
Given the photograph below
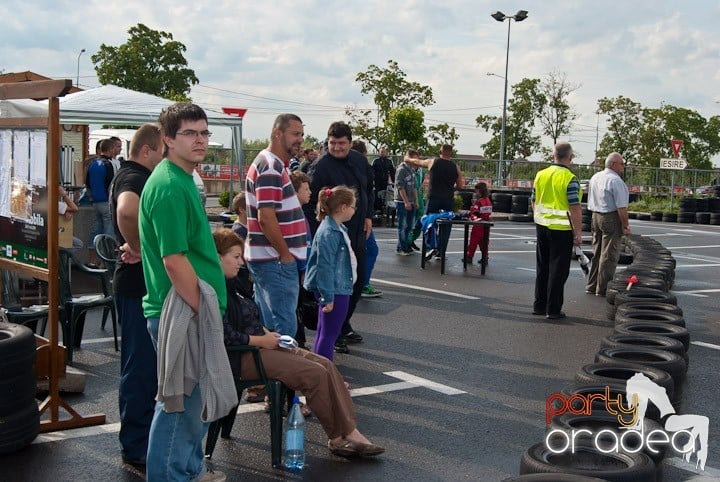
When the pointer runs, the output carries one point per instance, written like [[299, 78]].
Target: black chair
[[15, 312], [106, 247], [77, 306], [276, 391]]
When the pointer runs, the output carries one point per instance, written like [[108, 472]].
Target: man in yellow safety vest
[[556, 206]]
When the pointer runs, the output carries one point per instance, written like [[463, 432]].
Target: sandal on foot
[[349, 448]]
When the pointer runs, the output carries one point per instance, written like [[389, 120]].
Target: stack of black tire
[[19, 415], [520, 209], [714, 208], [688, 208], [586, 219], [649, 338], [501, 202]]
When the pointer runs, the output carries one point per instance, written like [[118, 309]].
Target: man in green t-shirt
[[177, 250]]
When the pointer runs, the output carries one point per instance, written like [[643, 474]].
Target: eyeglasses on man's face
[[193, 133]]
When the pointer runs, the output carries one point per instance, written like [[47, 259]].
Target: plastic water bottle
[[295, 438]]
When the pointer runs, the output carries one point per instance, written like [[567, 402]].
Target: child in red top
[[480, 211]]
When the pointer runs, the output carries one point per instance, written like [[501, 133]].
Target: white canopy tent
[[112, 105]]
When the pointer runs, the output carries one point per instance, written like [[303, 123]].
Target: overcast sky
[[302, 56]]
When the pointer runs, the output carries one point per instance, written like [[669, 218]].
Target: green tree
[[523, 110], [555, 113], [439, 135], [624, 127], [406, 126], [150, 61], [389, 89], [258, 144]]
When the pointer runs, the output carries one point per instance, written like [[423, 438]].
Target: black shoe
[[341, 346], [353, 337], [414, 246], [430, 254], [141, 462], [555, 316]]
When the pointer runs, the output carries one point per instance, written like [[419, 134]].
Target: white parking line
[[422, 288], [697, 293], [706, 345], [99, 340], [408, 381]]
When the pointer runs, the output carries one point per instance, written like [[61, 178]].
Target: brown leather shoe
[[348, 448]]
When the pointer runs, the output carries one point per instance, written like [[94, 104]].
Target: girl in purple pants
[[331, 266]]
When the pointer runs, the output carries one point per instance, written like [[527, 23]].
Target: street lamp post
[[77, 80], [501, 17]]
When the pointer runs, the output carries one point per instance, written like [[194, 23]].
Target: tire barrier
[[669, 218], [648, 315], [19, 414], [654, 328], [658, 342], [502, 202], [603, 421], [616, 298], [651, 306], [588, 462], [553, 478], [656, 215], [672, 363], [520, 204], [616, 372], [702, 218], [615, 390]]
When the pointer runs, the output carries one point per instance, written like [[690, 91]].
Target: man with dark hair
[[555, 200], [383, 169], [310, 156], [138, 360], [178, 251], [341, 165], [276, 227], [444, 178], [117, 149]]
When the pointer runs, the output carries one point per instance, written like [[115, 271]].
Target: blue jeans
[[406, 221], [175, 449], [102, 222], [138, 378], [371, 254], [276, 292]]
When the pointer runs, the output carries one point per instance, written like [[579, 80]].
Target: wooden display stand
[[51, 357]]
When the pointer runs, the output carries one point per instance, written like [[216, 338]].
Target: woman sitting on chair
[[315, 376]]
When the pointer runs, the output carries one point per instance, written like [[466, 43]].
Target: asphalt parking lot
[[451, 378]]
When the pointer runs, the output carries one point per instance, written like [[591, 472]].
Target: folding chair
[[275, 390], [15, 312]]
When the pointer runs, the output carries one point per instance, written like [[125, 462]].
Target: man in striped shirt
[[276, 227]]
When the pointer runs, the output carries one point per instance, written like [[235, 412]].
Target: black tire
[[586, 228], [658, 342], [643, 217], [17, 347], [595, 422], [702, 218], [17, 391], [615, 390], [625, 258], [19, 429], [521, 218], [648, 315], [686, 217], [715, 219], [632, 215], [651, 328], [644, 294], [672, 363], [669, 217], [602, 373], [588, 462], [650, 305], [656, 215]]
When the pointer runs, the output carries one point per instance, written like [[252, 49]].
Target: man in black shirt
[[138, 360], [341, 165], [444, 178]]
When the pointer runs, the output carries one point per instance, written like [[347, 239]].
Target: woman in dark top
[[315, 376]]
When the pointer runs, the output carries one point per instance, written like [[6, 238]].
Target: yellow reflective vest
[[551, 201]]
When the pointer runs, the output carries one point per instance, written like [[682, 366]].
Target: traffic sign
[[673, 164], [676, 145]]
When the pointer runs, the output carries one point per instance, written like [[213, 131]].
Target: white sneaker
[[213, 476]]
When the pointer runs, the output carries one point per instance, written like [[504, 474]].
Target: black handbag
[[307, 309]]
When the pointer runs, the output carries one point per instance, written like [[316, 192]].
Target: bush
[[648, 204], [224, 199]]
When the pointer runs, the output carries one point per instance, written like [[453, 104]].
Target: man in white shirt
[[608, 199]]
